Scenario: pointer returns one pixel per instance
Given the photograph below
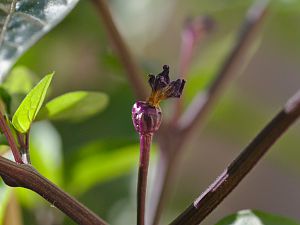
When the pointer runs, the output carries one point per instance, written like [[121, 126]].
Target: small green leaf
[[254, 217], [31, 105], [74, 106]]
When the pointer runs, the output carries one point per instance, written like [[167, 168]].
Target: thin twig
[[241, 166], [132, 69], [203, 101], [10, 139], [21, 175], [164, 173], [193, 34], [145, 143]]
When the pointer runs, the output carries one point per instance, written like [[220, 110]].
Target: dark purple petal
[[162, 79], [162, 88], [165, 73], [175, 88], [182, 84]]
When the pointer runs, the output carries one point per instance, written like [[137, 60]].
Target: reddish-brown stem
[[241, 166], [10, 139], [203, 102], [21, 175], [132, 69], [145, 144], [192, 35]]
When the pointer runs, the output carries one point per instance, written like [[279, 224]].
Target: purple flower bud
[[146, 118]]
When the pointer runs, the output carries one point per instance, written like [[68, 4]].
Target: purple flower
[[146, 115]]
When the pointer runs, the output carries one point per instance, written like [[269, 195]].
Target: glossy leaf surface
[[24, 22]]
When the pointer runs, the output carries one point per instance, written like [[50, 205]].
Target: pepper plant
[[23, 23]]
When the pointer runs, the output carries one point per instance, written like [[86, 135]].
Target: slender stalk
[[164, 173], [194, 32], [192, 35], [241, 166], [133, 71], [22, 175], [203, 102], [145, 144], [11, 141]]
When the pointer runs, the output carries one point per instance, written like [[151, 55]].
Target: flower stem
[[202, 104], [145, 143], [124, 53]]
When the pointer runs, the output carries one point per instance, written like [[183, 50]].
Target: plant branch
[[145, 143], [241, 166], [203, 102], [10, 139], [233, 63], [164, 173], [193, 34], [132, 69], [22, 175]]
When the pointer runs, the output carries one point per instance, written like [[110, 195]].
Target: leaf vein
[[31, 18]]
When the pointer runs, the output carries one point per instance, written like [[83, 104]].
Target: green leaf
[[101, 164], [23, 22], [254, 217], [31, 105], [74, 106]]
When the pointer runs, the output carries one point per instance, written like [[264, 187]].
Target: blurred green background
[[95, 160]]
